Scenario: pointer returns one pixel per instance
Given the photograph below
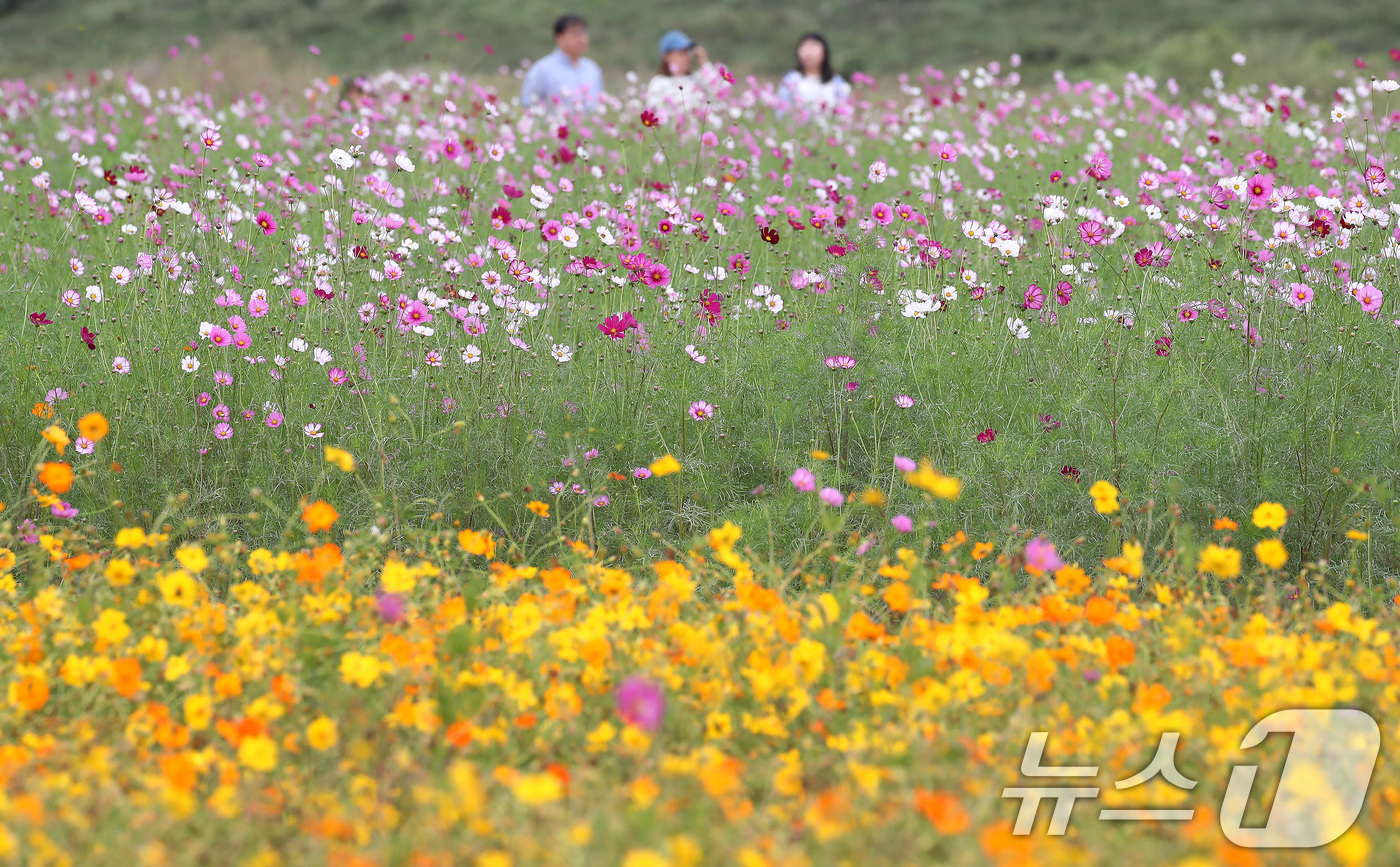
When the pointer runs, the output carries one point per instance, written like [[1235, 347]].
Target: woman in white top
[[680, 87], [812, 85]]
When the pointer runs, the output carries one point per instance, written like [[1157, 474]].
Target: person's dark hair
[[827, 73], [564, 22]]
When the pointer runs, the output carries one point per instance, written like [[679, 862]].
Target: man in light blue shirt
[[565, 77]]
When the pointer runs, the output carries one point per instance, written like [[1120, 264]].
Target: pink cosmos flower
[[1300, 295], [1034, 298], [1064, 291], [1041, 556], [902, 523], [700, 410], [1260, 188], [223, 430], [882, 213], [1100, 167], [1092, 232], [904, 465], [803, 480], [840, 362], [903, 401], [1369, 297], [832, 497], [641, 703], [266, 223]]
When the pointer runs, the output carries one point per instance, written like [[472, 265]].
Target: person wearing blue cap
[[565, 77], [679, 85]]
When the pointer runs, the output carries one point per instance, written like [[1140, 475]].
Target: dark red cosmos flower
[[1143, 257], [1164, 346], [40, 319], [649, 118], [1070, 473], [323, 294], [89, 337], [563, 133], [986, 436], [769, 234], [616, 326], [361, 252], [795, 225]]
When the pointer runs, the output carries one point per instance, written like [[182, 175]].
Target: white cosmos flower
[[471, 355], [93, 293], [774, 303], [1018, 328], [605, 236], [313, 430], [402, 161], [297, 344], [342, 160], [695, 353], [540, 197], [321, 356], [190, 364], [562, 352], [568, 237]]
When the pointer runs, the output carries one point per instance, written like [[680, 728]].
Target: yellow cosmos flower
[[665, 465], [119, 572], [57, 437], [1271, 553], [931, 480], [360, 670], [534, 789], [131, 537], [178, 588], [1105, 497], [341, 458], [258, 752], [322, 734], [1270, 516], [199, 712], [1218, 561], [193, 558], [396, 577]]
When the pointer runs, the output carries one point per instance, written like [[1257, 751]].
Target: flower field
[[424, 482]]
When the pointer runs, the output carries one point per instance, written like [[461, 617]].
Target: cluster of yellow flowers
[[197, 702]]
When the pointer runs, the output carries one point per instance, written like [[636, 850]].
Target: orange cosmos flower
[[319, 516], [57, 477], [93, 426]]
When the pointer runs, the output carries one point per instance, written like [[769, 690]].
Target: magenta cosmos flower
[[616, 326], [700, 410], [266, 223], [641, 703], [840, 362]]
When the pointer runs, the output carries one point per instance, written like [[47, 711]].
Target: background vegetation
[[255, 41]]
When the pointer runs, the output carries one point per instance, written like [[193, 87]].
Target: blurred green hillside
[[266, 40]]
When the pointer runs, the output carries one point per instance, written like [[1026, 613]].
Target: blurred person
[[811, 84], [686, 78], [565, 77], [357, 93]]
